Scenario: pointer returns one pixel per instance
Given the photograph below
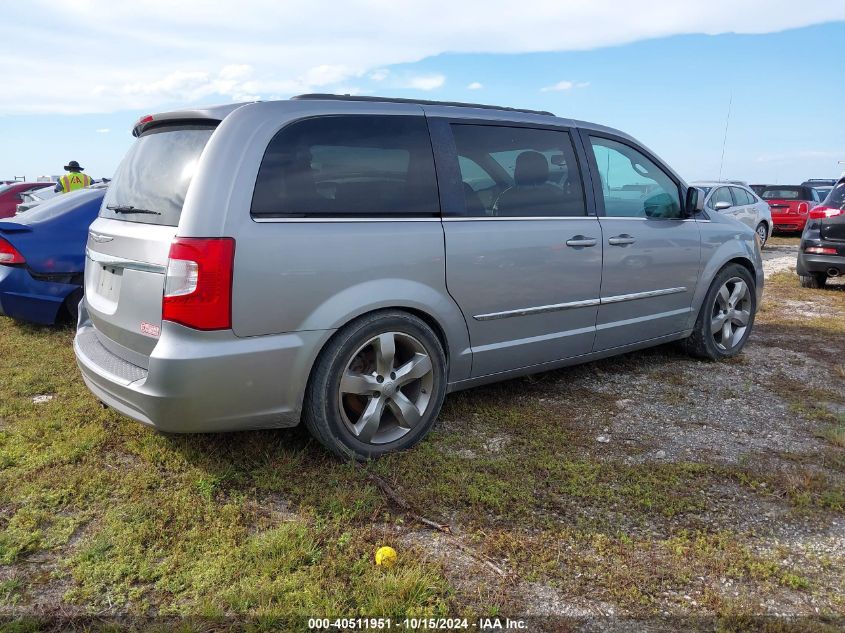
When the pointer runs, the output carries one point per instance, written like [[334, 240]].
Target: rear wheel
[[72, 306], [762, 233], [813, 280], [377, 387], [726, 317]]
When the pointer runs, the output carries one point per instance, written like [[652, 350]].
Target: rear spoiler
[[14, 227]]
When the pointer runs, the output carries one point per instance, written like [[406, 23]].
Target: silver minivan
[[348, 261]]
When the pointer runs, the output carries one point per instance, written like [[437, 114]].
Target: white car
[[35, 197], [739, 202]]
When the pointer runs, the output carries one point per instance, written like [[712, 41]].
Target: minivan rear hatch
[[128, 245]]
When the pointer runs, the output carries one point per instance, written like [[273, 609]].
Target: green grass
[[110, 517]]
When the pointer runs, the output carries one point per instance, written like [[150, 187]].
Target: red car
[[10, 195], [790, 205]]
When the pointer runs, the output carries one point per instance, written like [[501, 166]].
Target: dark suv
[[822, 251]]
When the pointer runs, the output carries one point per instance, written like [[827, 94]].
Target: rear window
[[836, 198], [786, 193], [151, 183], [347, 166]]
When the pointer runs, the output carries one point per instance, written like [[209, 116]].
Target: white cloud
[[565, 85], [103, 130], [475, 86], [181, 52], [561, 85], [425, 82]]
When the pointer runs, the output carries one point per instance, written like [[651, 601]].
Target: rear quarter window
[[152, 181], [348, 166]]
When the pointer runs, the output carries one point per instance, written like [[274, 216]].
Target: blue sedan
[[42, 257]]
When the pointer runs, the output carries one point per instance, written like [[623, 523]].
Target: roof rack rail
[[333, 97]]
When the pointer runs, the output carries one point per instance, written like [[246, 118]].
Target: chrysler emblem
[[97, 237]]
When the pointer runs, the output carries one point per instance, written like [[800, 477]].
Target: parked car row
[[42, 257], [740, 202], [821, 254], [14, 193]]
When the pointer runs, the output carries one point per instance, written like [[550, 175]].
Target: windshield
[[785, 193], [152, 181], [706, 190]]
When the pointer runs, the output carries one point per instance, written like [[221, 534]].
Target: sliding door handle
[[621, 240], [580, 240]]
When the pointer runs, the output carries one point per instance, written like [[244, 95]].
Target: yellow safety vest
[[73, 181]]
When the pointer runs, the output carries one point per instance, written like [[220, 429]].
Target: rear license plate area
[[108, 285]]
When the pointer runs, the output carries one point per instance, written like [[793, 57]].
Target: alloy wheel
[[386, 388], [762, 233], [731, 313]]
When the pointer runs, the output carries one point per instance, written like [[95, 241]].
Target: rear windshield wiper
[[128, 208]]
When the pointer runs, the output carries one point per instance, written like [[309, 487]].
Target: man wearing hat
[[74, 178]]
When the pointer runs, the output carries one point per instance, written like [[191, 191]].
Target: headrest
[[531, 168]]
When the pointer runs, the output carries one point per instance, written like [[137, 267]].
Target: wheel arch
[[425, 316]]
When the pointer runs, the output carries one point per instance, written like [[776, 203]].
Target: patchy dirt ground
[[685, 495]]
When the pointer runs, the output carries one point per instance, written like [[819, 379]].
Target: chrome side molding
[[586, 303]]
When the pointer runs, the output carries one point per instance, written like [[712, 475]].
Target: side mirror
[[694, 202], [721, 206]]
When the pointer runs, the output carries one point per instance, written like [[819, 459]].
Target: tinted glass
[[155, 175], [348, 166], [786, 193], [633, 186], [821, 192], [528, 172], [722, 194], [836, 198]]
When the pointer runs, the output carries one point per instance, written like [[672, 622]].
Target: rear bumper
[[789, 222], [808, 263], [27, 299], [202, 382]]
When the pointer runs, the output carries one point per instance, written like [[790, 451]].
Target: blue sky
[[665, 76]]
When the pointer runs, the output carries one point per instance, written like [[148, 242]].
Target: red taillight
[[144, 119], [198, 286], [9, 254], [803, 207], [820, 250], [820, 212]]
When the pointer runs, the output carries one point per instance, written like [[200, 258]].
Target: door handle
[[621, 240], [580, 240]]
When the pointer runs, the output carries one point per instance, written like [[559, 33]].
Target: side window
[[722, 194], [741, 197], [343, 166], [632, 185], [531, 172]]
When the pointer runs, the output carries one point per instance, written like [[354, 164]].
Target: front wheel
[[726, 317], [762, 234], [377, 387]]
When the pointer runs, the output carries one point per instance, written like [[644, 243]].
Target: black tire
[[72, 306], [765, 231], [702, 343], [323, 414], [813, 280]]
